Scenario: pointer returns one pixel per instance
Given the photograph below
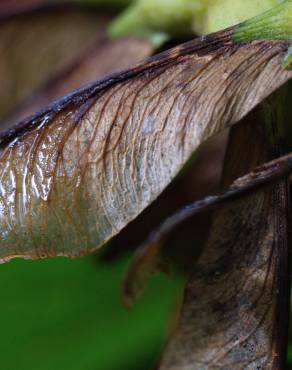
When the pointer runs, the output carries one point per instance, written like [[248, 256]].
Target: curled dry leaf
[[236, 306], [35, 45], [76, 174]]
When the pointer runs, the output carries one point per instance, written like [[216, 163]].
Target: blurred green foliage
[[61, 314]]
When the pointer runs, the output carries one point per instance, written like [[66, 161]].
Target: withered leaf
[[235, 309], [35, 45], [76, 174]]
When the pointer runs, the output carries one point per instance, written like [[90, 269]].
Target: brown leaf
[[235, 310], [103, 58], [75, 175], [36, 45]]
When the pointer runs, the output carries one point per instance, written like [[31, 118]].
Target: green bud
[[173, 17], [221, 14]]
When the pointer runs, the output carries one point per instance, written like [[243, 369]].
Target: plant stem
[[224, 13], [275, 24]]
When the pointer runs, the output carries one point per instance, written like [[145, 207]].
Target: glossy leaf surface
[[76, 174]]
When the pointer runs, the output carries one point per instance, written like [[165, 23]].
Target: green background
[[64, 314]]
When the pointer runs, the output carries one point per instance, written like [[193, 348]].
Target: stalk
[[275, 24], [221, 14], [157, 21]]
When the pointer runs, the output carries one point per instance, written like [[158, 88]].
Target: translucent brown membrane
[[73, 176]]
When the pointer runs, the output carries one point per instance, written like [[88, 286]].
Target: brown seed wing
[[75, 175]]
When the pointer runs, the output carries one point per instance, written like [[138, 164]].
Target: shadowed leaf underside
[[235, 310], [104, 57], [35, 45]]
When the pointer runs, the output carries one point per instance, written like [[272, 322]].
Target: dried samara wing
[[74, 175]]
